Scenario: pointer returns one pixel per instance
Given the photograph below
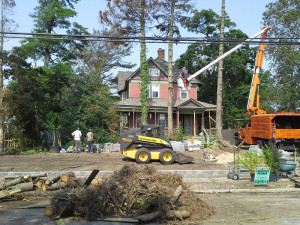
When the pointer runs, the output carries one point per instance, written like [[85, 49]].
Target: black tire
[[143, 156], [260, 143], [235, 177], [230, 175], [166, 156]]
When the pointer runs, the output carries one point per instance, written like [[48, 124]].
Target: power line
[[186, 40]]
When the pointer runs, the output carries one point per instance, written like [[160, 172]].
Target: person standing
[[45, 140], [77, 138], [90, 140]]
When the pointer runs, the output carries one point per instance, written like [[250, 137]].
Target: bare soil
[[104, 161]]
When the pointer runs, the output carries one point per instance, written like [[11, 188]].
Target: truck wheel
[[142, 156], [260, 143], [166, 156]]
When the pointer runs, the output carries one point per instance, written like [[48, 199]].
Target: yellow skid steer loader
[[147, 144]]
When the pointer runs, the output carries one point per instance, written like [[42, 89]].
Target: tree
[[6, 23], [129, 17], [219, 122], [167, 25], [284, 18], [49, 16]]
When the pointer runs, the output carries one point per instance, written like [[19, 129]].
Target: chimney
[[161, 53]]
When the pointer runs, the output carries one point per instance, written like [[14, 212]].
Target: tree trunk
[[12, 182], [144, 69], [170, 73], [1, 79], [219, 121]]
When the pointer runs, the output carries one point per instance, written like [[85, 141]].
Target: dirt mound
[[131, 192]]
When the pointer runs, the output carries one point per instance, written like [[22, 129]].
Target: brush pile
[[134, 192]]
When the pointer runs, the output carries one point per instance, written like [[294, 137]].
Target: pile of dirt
[[135, 192]]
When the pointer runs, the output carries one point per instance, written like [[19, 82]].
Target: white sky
[[247, 14]]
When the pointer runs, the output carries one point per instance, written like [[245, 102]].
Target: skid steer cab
[[148, 144]]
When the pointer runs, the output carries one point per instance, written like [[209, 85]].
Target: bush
[[272, 157], [250, 160]]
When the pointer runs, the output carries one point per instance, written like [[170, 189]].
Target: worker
[[45, 140], [183, 75], [90, 140], [77, 138]]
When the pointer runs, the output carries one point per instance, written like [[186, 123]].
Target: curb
[[183, 173], [274, 190]]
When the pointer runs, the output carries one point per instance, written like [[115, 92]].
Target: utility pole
[[219, 121]]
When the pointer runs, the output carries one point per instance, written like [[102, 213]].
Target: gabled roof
[[192, 103], [159, 62]]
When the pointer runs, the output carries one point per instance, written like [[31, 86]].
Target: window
[[123, 96], [183, 94], [153, 72], [162, 120], [153, 91]]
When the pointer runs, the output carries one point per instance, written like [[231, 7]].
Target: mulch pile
[[132, 192]]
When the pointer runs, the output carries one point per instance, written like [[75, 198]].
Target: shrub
[[250, 160], [272, 157]]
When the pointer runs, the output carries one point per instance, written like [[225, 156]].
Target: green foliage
[[284, 18], [179, 132], [31, 151], [272, 157], [50, 16], [250, 160], [209, 145]]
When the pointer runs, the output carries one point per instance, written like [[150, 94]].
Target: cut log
[[119, 219], [65, 178], [178, 214], [71, 183], [35, 176], [28, 186], [54, 186], [8, 193], [176, 194], [149, 217], [52, 180], [39, 184], [79, 182], [48, 211], [12, 182]]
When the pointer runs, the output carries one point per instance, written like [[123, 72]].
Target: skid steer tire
[[166, 156], [143, 156]]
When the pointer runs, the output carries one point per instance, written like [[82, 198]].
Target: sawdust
[[225, 158]]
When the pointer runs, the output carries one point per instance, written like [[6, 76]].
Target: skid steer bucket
[[182, 158]]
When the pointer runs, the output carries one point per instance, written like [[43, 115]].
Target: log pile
[[134, 193], [11, 186]]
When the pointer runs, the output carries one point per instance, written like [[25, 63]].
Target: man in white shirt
[[90, 140], [77, 137]]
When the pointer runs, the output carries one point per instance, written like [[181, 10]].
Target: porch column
[[203, 126], [133, 118], [195, 124], [177, 117], [155, 116]]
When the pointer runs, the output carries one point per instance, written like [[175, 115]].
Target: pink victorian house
[[191, 113]]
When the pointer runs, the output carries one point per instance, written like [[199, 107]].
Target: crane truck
[[282, 128]]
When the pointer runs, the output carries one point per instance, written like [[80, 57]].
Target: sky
[[247, 14]]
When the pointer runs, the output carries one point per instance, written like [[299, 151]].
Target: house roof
[[163, 103], [122, 77], [159, 62]]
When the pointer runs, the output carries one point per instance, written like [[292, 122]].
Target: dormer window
[[153, 72]]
